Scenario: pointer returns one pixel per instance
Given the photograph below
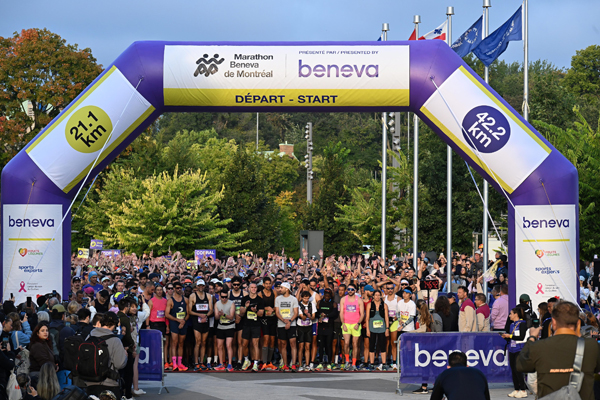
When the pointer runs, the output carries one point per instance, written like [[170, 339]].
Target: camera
[[535, 323]]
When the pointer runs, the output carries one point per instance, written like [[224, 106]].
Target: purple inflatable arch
[[425, 77]]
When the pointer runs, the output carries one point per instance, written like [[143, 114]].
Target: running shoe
[[350, 368], [230, 368], [197, 368], [320, 367], [182, 368], [421, 390], [394, 367], [255, 367], [246, 365], [168, 366], [342, 367], [293, 368], [209, 367], [301, 369], [264, 367], [220, 367], [380, 367], [285, 368], [330, 367]]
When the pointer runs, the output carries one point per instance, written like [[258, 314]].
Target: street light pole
[[416, 21], [449, 13], [385, 30], [308, 162], [484, 234]]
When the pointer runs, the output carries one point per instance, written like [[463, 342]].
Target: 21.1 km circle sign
[[486, 129]]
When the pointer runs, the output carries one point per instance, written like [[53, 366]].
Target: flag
[[494, 45], [413, 35], [470, 39], [438, 33], [379, 38]]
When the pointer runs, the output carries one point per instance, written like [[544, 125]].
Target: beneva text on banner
[[439, 358]]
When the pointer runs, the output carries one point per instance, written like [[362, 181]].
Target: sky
[[557, 28]]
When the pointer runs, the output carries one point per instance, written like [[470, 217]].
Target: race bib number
[[404, 316], [305, 322], [160, 313], [513, 344], [392, 313], [286, 313], [180, 315], [237, 310], [251, 315], [224, 320], [201, 307], [351, 308], [378, 324], [325, 320]]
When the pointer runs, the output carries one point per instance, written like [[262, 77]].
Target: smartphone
[[12, 296], [28, 302], [85, 301], [535, 323], [4, 342]]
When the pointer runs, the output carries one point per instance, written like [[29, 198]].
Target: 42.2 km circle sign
[[486, 129]]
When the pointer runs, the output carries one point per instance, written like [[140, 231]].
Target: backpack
[[23, 364], [93, 360], [71, 351], [71, 393], [54, 334]]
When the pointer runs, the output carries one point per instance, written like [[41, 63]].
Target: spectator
[[451, 382], [21, 332], [84, 327], [47, 385], [547, 318], [455, 309], [466, 316], [56, 325], [553, 357], [499, 308], [482, 321], [516, 335], [7, 363], [43, 316], [117, 353], [442, 317], [40, 348]]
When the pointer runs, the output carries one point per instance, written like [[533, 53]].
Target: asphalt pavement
[[289, 386]]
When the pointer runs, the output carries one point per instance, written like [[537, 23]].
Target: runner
[[391, 301], [315, 297], [338, 337], [326, 312], [406, 312], [236, 295], [306, 311], [286, 310], [252, 309], [378, 330], [158, 305], [352, 313], [200, 307], [225, 314], [268, 324], [177, 316]]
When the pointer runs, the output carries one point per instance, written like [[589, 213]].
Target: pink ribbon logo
[[539, 287], [22, 289]]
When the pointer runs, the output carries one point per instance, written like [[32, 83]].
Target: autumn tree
[[40, 74]]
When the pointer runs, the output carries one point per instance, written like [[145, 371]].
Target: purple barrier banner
[[425, 355], [110, 253], [151, 364], [96, 244]]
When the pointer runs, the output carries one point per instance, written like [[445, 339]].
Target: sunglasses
[[169, 288], [404, 284], [351, 290], [236, 284], [178, 287]]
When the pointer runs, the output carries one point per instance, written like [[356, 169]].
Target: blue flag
[[492, 46], [379, 39], [470, 39]]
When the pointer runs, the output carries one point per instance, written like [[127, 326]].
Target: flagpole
[[526, 60], [484, 232], [416, 21], [449, 14], [385, 28]]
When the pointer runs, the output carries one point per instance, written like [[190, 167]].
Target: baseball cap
[[407, 291], [277, 284], [227, 280], [153, 275], [88, 290], [581, 278], [286, 285], [200, 282], [76, 279], [524, 297], [369, 288], [106, 278], [118, 297], [60, 308], [404, 281]]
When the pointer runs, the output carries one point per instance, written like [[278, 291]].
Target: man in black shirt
[[253, 308], [460, 382], [455, 310]]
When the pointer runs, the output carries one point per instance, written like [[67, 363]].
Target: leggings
[[517, 377], [325, 340], [127, 376], [378, 343]]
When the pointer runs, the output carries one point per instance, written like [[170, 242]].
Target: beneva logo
[[440, 357], [27, 223], [333, 70], [542, 223]]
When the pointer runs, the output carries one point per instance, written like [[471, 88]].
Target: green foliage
[[160, 212], [584, 76]]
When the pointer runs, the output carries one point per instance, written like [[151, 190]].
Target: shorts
[[212, 332], [159, 326], [394, 326], [363, 332], [251, 332], [174, 328], [337, 330], [351, 331], [305, 334], [314, 326], [269, 327], [240, 326], [223, 334], [286, 334], [201, 327]]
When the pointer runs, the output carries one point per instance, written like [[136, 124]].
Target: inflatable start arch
[[425, 77]]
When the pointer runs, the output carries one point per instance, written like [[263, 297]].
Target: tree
[[331, 194], [583, 78], [246, 202], [160, 212], [39, 67]]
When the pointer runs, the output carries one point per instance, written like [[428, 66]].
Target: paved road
[[289, 386]]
